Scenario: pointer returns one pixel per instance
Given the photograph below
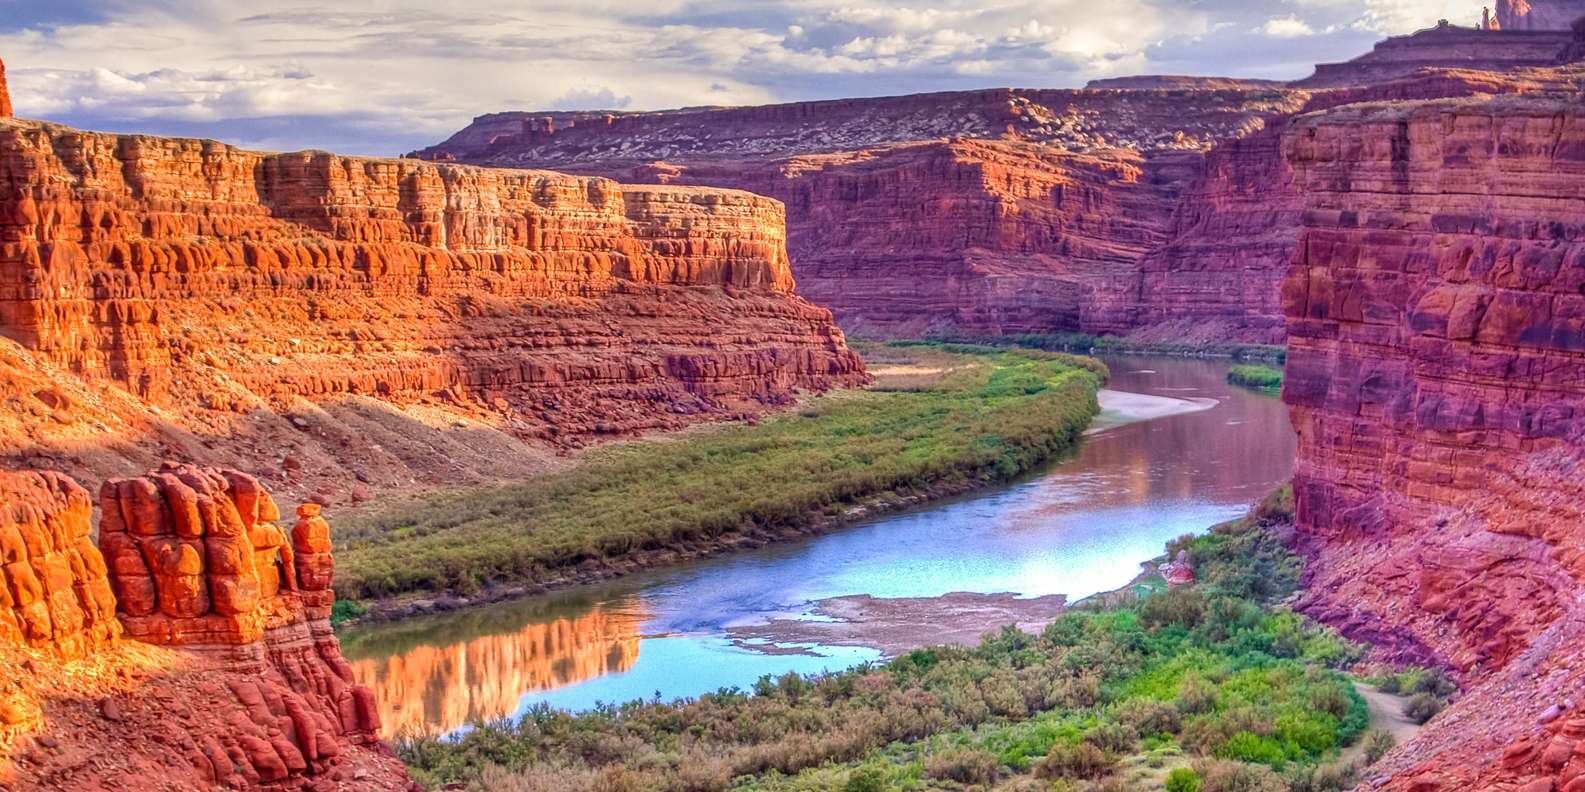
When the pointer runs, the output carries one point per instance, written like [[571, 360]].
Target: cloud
[[388, 76], [1287, 27], [591, 99]]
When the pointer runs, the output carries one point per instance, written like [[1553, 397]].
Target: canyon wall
[[1539, 14], [246, 300], [1436, 377], [1153, 207], [981, 213], [258, 693]]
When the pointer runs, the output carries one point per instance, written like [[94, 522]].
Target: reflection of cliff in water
[[1234, 452], [444, 679]]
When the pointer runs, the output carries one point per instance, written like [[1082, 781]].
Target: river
[[1175, 451]]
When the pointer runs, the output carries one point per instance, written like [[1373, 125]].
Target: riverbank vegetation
[[1257, 377], [941, 419], [1213, 688], [1086, 344]]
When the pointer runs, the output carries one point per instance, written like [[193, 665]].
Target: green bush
[[345, 610], [866, 779], [1254, 376], [1377, 744], [963, 765], [1422, 707], [1184, 779], [1076, 760]]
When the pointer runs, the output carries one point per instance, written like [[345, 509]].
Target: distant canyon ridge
[[1159, 208]]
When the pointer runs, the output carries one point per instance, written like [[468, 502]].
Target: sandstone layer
[[1436, 376], [258, 696], [1155, 207], [348, 316]]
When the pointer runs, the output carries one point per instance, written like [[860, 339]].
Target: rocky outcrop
[[1435, 369], [227, 287], [55, 594], [259, 694], [5, 93], [1442, 47], [1538, 14]]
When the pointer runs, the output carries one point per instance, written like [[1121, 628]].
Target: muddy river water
[[1175, 451]]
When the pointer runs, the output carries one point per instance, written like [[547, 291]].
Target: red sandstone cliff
[[383, 321], [1436, 376], [1153, 207], [5, 93], [257, 694]]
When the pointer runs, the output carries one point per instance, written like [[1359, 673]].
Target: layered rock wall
[[217, 283], [1436, 377], [1158, 208]]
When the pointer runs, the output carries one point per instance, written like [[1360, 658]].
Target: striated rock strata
[[1154, 207], [259, 695], [243, 296], [1436, 376]]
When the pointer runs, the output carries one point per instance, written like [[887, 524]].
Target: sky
[[382, 77]]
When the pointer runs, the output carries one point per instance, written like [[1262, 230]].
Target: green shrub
[[345, 610], [1255, 376], [866, 779], [1184, 779], [1076, 760], [1422, 707], [963, 765], [1377, 743]]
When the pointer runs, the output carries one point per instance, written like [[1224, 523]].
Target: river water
[[1175, 451]]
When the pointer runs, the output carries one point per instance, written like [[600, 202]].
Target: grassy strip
[[1258, 377], [1206, 688], [955, 418], [1086, 344]]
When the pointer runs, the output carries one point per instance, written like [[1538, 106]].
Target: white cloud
[[380, 76], [1287, 27]]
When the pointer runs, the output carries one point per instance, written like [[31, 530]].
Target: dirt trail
[[1386, 713]]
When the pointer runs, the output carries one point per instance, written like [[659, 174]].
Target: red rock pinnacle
[[5, 94]]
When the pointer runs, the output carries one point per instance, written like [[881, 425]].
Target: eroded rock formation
[[1436, 375], [1156, 207], [55, 593], [5, 93], [247, 295], [258, 695], [1538, 14]]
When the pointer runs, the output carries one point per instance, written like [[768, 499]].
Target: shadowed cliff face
[[1436, 377], [247, 295]]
